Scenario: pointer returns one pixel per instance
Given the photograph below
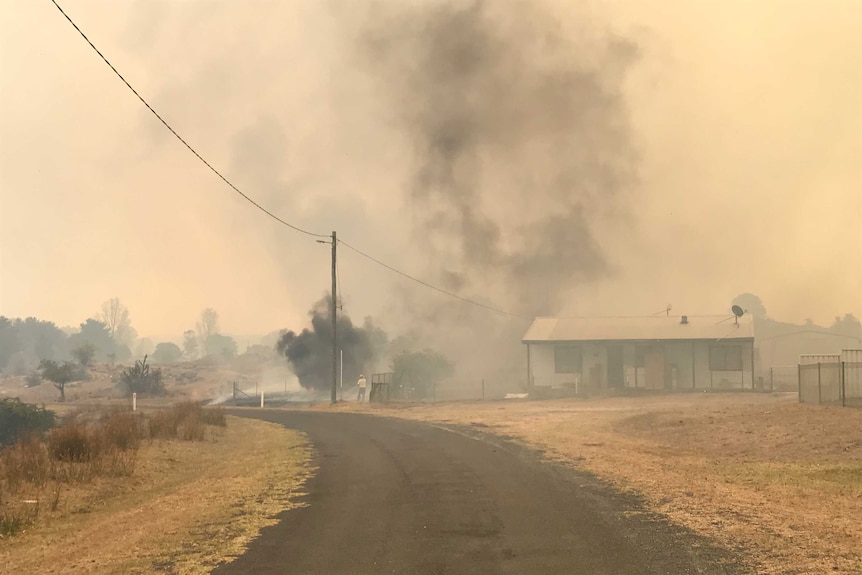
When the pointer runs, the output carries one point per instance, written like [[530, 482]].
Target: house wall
[[706, 379], [543, 368], [686, 367], [678, 358]]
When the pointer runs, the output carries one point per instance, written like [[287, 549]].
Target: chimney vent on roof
[[683, 320]]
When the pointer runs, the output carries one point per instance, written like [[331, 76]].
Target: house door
[[654, 368], [616, 373]]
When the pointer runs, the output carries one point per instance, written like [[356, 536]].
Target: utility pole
[[334, 310]]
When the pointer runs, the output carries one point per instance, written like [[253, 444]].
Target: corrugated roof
[[638, 328]]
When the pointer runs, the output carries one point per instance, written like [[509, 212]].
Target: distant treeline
[[24, 343]]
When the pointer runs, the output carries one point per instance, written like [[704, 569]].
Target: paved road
[[394, 496]]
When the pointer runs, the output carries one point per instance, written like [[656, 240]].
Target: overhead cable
[[180, 138]]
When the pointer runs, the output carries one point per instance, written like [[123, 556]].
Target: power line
[[180, 138], [428, 285], [254, 203]]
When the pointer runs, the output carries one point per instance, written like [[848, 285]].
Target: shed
[[664, 352]]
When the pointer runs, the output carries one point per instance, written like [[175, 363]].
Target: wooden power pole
[[334, 318]]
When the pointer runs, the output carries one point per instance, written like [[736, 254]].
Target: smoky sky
[[520, 136], [598, 158]]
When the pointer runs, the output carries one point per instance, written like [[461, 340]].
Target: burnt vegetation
[[38, 458]]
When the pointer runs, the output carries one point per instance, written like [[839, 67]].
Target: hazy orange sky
[[747, 122]]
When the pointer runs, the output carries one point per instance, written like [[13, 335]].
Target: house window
[[725, 358], [567, 359]]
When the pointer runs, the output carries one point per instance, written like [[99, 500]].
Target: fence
[[836, 383], [782, 378]]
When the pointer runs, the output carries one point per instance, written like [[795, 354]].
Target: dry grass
[[188, 506], [759, 473], [90, 444]]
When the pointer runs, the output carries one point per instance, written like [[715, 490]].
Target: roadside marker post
[[134, 401]]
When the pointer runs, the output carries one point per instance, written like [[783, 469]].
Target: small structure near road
[[381, 387], [596, 355]]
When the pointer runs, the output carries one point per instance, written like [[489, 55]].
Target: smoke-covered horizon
[[669, 154]]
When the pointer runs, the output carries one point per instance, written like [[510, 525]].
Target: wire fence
[[782, 378], [836, 383]]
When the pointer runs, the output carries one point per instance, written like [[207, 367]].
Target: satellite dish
[[737, 312]]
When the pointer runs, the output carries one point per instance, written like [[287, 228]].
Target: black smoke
[[521, 141], [310, 351]]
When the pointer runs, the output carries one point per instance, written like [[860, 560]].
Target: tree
[[84, 353], [167, 352], [190, 344], [116, 317], [96, 333], [208, 324], [59, 374], [9, 342], [221, 345], [17, 419], [417, 374], [145, 347], [751, 304], [28, 341], [139, 379]]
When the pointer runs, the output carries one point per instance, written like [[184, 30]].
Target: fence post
[[843, 389], [799, 380], [483, 390], [819, 385]]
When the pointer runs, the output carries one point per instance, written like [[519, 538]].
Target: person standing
[[361, 385]]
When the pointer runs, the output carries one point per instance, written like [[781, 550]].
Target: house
[[668, 353]]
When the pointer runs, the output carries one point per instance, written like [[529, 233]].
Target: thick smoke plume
[[521, 138], [310, 351]]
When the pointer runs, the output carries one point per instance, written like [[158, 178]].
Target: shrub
[[18, 419], [74, 442], [214, 416], [163, 425], [122, 430], [28, 461], [186, 420], [140, 379]]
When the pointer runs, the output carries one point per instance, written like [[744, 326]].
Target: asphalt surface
[[395, 496]]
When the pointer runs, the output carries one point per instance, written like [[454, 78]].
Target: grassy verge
[[186, 507]]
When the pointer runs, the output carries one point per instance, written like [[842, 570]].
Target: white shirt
[[361, 382]]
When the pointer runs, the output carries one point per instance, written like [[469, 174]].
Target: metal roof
[[546, 329]]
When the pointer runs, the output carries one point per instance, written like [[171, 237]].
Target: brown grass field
[[185, 507], [759, 473], [777, 480]]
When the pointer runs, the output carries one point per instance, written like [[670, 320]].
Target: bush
[[122, 430], [18, 419], [74, 442], [186, 420], [141, 380], [214, 416]]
